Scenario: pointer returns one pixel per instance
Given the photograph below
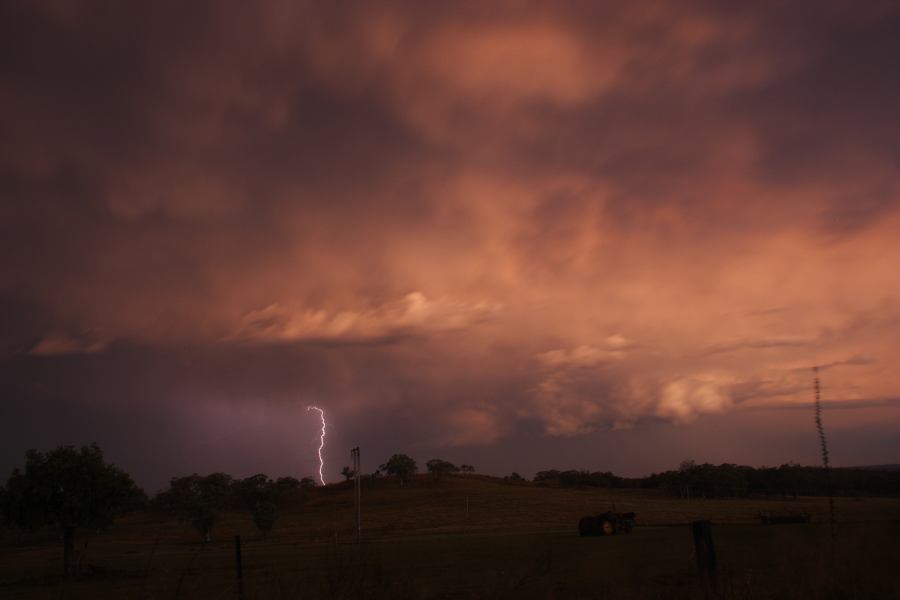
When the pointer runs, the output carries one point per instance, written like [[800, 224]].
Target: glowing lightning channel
[[321, 441]]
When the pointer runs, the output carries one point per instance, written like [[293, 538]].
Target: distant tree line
[[788, 480], [404, 467], [573, 478], [727, 480]]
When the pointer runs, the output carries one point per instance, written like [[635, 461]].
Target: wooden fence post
[[239, 565], [705, 553]]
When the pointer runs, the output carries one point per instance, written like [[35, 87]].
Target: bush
[[401, 466]]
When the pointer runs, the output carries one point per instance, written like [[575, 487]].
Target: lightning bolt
[[321, 441]]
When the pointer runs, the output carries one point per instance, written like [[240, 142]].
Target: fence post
[[705, 553], [239, 565]]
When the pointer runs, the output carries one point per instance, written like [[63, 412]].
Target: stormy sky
[[521, 235]]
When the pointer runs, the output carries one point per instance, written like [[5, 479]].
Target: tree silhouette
[[348, 473], [400, 465], [264, 514], [254, 489], [199, 499], [258, 495], [285, 485], [440, 468], [67, 489]]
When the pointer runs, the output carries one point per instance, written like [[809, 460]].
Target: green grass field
[[515, 541]]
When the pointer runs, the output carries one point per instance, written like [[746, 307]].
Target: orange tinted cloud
[[573, 218]]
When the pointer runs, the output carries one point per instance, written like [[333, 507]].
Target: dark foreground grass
[[512, 546]]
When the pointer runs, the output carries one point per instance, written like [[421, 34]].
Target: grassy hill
[[513, 540], [425, 506]]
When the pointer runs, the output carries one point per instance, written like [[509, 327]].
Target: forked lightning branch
[[321, 442]]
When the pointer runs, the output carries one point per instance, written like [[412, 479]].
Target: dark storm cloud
[[458, 223]]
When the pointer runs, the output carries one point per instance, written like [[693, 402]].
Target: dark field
[[517, 541]]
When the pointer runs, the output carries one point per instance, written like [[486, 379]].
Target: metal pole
[[826, 465], [358, 496], [357, 468]]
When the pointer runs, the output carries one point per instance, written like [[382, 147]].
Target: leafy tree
[[573, 478], [67, 489], [546, 476], [400, 465], [254, 489], [286, 489], [199, 499], [307, 483], [467, 469], [264, 515], [258, 494], [440, 468], [287, 483], [348, 473], [514, 477], [605, 479]]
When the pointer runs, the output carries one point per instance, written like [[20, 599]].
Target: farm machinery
[[608, 523]]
